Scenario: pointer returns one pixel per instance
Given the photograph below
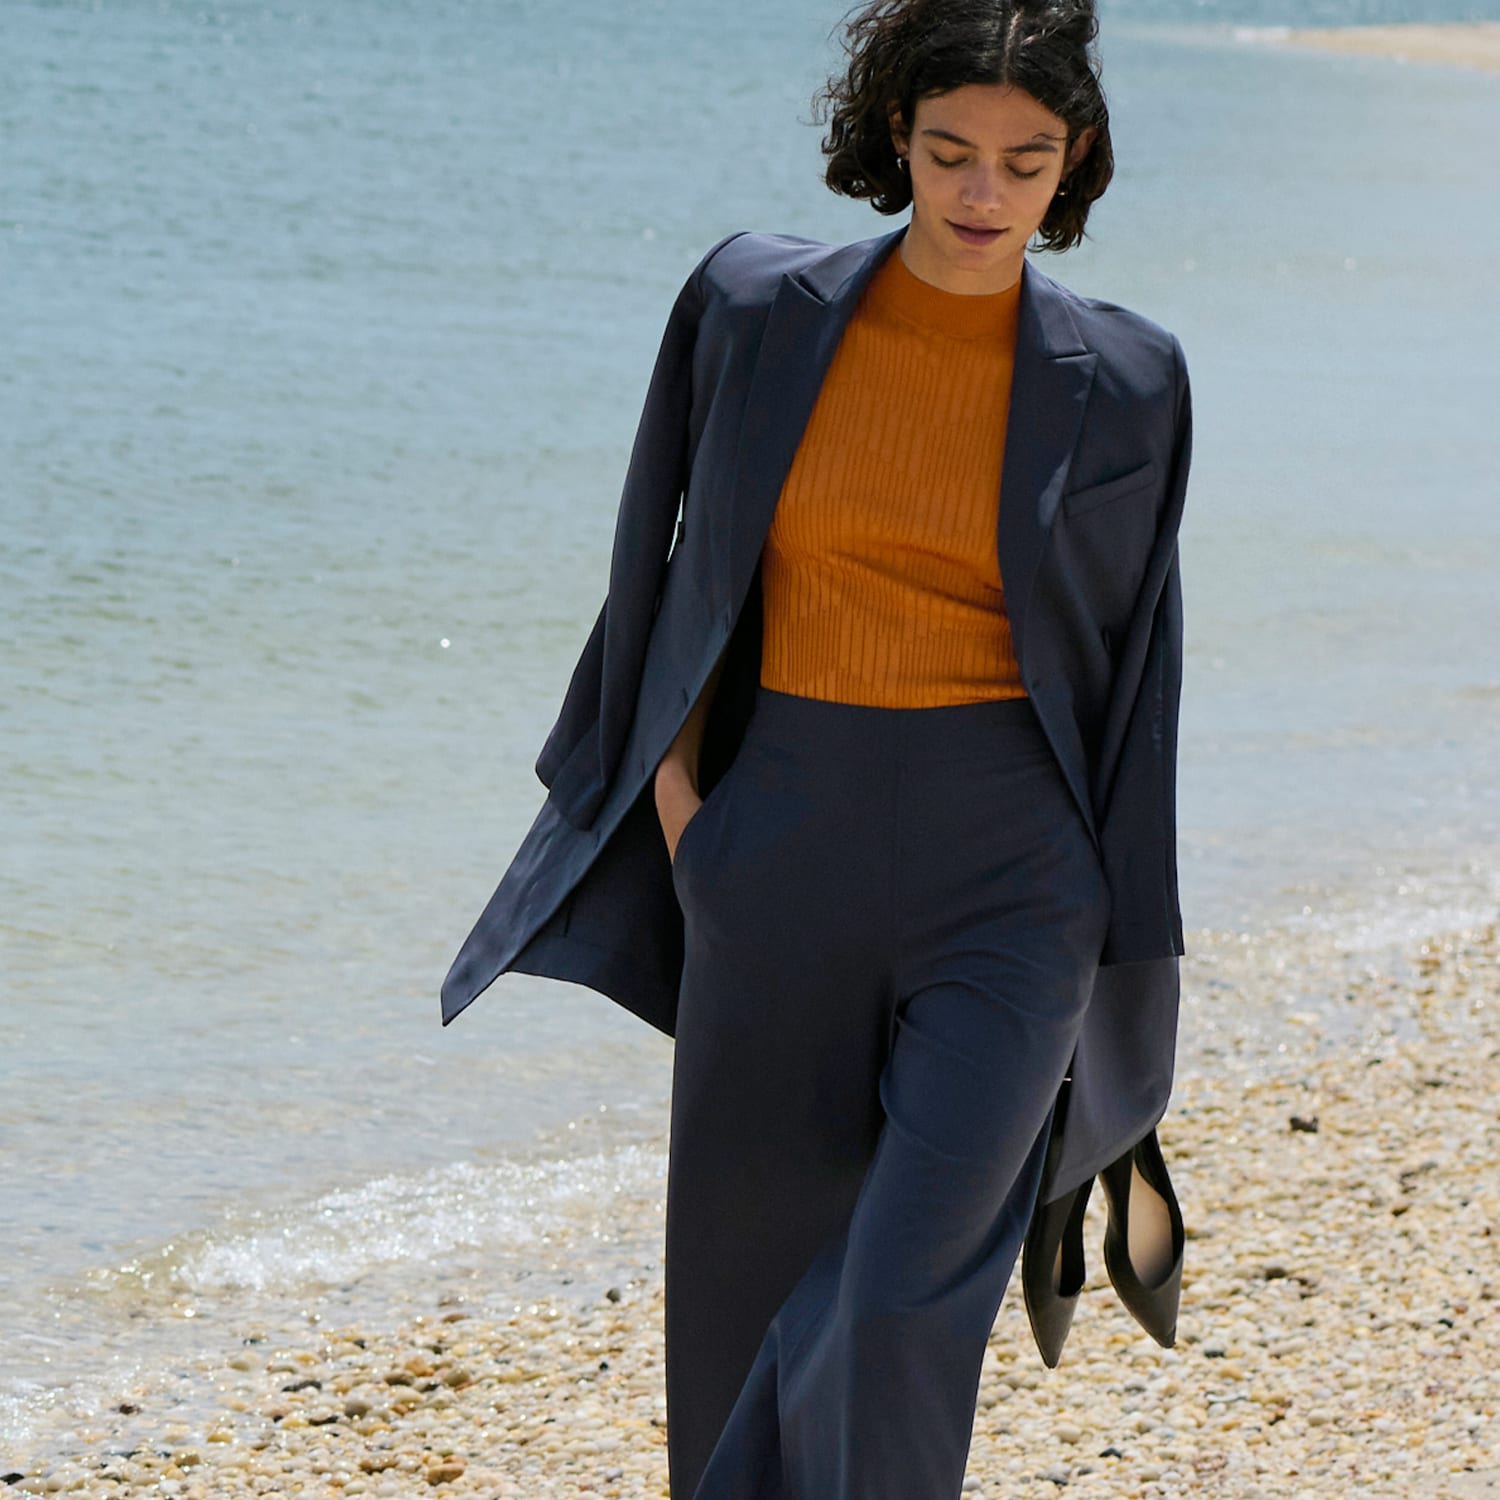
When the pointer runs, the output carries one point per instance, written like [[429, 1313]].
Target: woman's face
[[985, 161]]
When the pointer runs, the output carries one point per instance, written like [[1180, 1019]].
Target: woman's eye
[[958, 161]]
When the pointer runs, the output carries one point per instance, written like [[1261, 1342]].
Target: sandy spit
[[1467, 44], [1340, 1328]]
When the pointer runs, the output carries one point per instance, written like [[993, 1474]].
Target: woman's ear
[[900, 134], [1079, 150]]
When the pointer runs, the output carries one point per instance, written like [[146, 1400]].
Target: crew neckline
[[898, 290]]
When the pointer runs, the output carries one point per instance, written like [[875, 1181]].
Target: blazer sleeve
[[582, 752], [1138, 814]]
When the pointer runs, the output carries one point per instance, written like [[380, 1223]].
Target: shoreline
[[1340, 1323], [1466, 44]]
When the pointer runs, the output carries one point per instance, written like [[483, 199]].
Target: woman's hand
[[677, 800]]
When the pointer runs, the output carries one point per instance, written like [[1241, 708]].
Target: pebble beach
[[1340, 1327]]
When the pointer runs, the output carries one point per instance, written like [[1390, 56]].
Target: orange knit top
[[880, 576]]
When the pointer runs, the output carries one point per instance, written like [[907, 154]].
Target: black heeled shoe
[[1144, 1258], [1052, 1270]]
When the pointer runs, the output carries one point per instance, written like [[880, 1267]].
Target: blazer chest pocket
[[1093, 496]]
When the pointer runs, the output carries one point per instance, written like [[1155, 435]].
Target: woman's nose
[[981, 188]]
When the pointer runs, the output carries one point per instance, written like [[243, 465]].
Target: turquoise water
[[326, 333]]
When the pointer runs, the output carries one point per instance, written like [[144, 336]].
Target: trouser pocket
[[701, 823]]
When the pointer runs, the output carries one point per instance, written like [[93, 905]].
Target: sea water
[[326, 329]]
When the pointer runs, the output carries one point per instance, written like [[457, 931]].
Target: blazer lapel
[[1053, 374], [802, 331]]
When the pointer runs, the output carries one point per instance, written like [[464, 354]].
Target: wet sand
[[1468, 44], [1340, 1325]]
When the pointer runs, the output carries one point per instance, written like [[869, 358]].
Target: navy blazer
[[1094, 474]]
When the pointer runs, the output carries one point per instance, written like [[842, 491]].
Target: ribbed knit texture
[[880, 574]]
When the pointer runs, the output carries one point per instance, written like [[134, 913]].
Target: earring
[[1062, 191], [901, 163]]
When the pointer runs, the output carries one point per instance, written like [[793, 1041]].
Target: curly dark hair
[[900, 51]]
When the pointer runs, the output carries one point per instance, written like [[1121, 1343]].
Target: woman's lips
[[972, 236]]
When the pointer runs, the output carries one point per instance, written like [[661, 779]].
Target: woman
[[916, 641]]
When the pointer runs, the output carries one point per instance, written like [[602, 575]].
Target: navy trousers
[[892, 920]]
